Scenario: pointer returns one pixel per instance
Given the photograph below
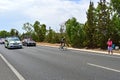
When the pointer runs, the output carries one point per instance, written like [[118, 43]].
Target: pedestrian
[[109, 44]]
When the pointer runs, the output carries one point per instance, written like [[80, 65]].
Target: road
[[49, 63]]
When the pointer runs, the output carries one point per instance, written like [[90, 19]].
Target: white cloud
[[50, 12], [56, 12]]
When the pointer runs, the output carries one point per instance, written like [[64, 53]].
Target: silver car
[[13, 42]]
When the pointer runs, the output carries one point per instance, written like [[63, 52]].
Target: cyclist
[[62, 42]]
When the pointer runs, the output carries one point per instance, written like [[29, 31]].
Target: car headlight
[[20, 43]]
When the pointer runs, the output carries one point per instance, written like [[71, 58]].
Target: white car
[[13, 42]]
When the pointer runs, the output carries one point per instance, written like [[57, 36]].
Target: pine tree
[[90, 26], [103, 14]]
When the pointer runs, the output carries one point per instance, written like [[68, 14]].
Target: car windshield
[[14, 39], [29, 40]]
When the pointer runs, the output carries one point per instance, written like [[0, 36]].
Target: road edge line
[[20, 77]]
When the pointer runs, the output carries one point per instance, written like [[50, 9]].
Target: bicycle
[[63, 47]]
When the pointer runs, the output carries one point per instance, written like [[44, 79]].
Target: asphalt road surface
[[49, 63]]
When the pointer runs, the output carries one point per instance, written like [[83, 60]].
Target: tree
[[116, 6], [49, 36], [62, 29], [90, 27], [52, 36], [14, 32], [27, 27], [115, 21], [4, 33], [74, 32], [116, 29], [104, 23], [43, 32], [40, 30], [29, 30]]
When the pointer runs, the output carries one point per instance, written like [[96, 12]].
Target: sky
[[53, 13]]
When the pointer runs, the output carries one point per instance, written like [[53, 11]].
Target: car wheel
[[25, 44]]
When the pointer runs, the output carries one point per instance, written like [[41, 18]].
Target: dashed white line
[[20, 77], [103, 67]]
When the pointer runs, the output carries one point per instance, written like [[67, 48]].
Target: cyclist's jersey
[[63, 40]]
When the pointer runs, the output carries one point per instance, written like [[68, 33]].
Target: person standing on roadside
[[109, 44]]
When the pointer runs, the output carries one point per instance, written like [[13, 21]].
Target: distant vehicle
[[2, 40], [28, 42], [13, 42]]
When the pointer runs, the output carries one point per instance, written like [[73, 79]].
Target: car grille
[[15, 44]]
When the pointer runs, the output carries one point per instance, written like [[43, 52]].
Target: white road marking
[[20, 77], [107, 68]]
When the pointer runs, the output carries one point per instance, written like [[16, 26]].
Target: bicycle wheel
[[60, 47], [65, 48]]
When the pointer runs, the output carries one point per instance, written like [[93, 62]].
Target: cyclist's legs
[[61, 45]]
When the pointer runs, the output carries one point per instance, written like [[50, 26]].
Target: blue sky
[[14, 13]]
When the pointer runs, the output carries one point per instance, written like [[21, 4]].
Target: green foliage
[[104, 22], [40, 30], [116, 5], [43, 32], [34, 36], [115, 29], [90, 27], [75, 33], [29, 30], [27, 27], [14, 32], [98, 27], [52, 36], [4, 33]]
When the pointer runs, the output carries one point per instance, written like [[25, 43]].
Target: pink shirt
[[109, 43]]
